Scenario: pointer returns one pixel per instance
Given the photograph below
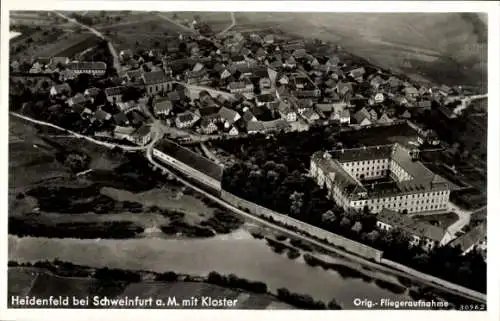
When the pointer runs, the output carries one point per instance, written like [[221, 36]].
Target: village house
[[126, 55], [133, 77], [123, 132], [260, 54], [290, 63], [265, 84], [344, 90], [102, 116], [248, 116], [393, 83], [268, 39], [343, 116], [121, 119], [162, 108], [228, 116], [324, 110], [78, 99], [240, 87], [238, 60], [445, 90], [233, 131], [287, 112], [114, 94], [384, 119], [156, 82], [425, 104], [357, 74], [36, 68], [265, 100], [313, 93], [208, 125], [379, 98], [363, 117], [376, 82], [284, 80], [186, 119], [92, 93], [310, 116], [60, 90], [411, 93], [421, 234], [94, 68], [475, 239], [142, 135], [128, 106], [63, 61]]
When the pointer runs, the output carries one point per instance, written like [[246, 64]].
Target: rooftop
[[190, 158], [411, 226], [422, 179]]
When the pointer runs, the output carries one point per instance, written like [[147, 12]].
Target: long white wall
[[187, 169]]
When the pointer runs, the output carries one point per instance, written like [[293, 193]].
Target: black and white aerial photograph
[[247, 160]]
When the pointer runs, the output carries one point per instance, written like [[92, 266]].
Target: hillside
[[442, 47]]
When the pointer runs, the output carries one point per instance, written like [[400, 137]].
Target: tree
[[357, 227], [373, 236], [328, 216], [81, 83], [45, 85], [345, 222], [421, 259], [296, 203], [131, 93]]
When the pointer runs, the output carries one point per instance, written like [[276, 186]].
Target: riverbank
[[57, 278]]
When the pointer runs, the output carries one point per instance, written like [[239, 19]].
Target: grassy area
[[143, 35], [42, 283]]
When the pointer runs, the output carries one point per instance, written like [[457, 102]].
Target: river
[[237, 253]]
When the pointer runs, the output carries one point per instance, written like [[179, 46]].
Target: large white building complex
[[380, 177]]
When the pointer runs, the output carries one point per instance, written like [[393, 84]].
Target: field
[[445, 48], [41, 283], [49, 43], [119, 188], [141, 35]]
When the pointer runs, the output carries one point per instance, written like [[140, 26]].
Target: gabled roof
[[155, 77], [248, 116], [358, 72], [87, 65], [113, 91], [62, 88], [101, 114], [471, 238], [411, 226], [361, 114], [228, 114]]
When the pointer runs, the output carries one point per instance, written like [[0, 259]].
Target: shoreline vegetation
[[118, 279]]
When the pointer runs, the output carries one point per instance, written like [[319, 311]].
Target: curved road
[[156, 133]]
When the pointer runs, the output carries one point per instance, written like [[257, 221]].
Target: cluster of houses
[[287, 80], [273, 83], [65, 67], [112, 118]]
